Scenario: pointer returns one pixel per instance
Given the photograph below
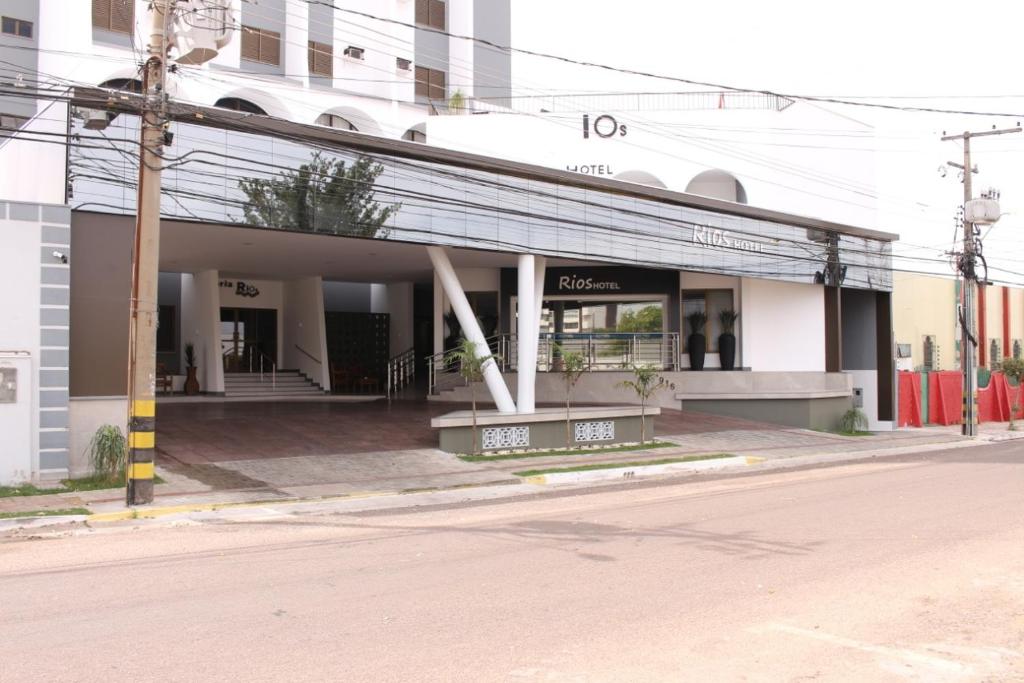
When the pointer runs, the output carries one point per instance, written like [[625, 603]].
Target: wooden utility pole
[[146, 268], [969, 278]]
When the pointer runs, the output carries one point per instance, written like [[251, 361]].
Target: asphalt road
[[909, 569]]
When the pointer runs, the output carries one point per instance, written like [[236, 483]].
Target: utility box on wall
[[16, 393], [858, 397]]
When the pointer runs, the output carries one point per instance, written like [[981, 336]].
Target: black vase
[[727, 350], [697, 345]]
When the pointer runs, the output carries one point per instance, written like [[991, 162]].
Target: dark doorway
[[422, 324], [246, 335]]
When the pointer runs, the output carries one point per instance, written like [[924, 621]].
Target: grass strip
[[574, 451], [45, 513], [96, 482], [619, 465]]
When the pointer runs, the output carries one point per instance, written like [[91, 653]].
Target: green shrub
[[108, 451], [853, 420]]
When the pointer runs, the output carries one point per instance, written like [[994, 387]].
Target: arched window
[[335, 121], [415, 134], [238, 104], [641, 178], [718, 185]]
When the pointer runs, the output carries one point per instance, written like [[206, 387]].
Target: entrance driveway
[[314, 447]]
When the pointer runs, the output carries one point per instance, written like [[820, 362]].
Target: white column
[[540, 266], [205, 336], [526, 363], [460, 305]]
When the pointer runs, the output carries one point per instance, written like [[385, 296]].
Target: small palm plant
[[853, 421], [1013, 369], [573, 367], [646, 383], [471, 367], [108, 451]]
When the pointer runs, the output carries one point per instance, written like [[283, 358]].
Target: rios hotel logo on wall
[[241, 288], [713, 237], [604, 126], [575, 283]]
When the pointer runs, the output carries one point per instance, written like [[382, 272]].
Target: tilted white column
[[460, 305], [527, 331]]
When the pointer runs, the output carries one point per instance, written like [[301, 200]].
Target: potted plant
[[191, 381], [696, 343], [727, 340], [646, 383], [471, 367], [572, 367]]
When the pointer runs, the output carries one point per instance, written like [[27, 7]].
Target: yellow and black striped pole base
[[141, 452]]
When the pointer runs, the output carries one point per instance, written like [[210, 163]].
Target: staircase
[[287, 383]]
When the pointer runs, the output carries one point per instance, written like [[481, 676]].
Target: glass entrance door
[[246, 335]]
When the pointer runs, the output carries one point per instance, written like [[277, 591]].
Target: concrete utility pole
[[969, 278], [146, 268]]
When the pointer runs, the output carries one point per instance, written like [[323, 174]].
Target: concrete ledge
[[637, 471], [544, 429], [464, 418], [753, 395]]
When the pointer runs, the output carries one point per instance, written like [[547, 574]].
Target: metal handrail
[[602, 351], [400, 371], [308, 355]]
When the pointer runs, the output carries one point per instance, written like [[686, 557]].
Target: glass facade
[[217, 175]]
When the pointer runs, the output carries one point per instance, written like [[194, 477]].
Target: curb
[[636, 471]]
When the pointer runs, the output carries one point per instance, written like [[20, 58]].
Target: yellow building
[[926, 328]]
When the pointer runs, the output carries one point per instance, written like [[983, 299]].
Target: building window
[[261, 45], [165, 338], [334, 121], [114, 15], [430, 83], [11, 122], [930, 354], [238, 104], [430, 13], [995, 354], [1016, 348], [710, 302], [321, 59], [903, 350], [414, 135], [17, 27]]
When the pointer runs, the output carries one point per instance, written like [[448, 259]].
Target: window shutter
[[422, 82], [270, 47], [422, 12], [437, 85], [311, 58], [250, 43], [122, 16], [321, 59], [101, 14], [435, 10]]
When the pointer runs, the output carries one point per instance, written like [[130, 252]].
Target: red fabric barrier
[[945, 397], [996, 400], [910, 399]]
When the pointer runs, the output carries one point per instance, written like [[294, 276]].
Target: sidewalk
[[401, 472]]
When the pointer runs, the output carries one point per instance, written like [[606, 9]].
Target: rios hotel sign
[[713, 237], [598, 281]]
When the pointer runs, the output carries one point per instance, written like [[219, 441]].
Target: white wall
[[45, 163], [868, 381], [19, 332], [86, 415], [303, 325], [200, 324], [399, 297], [783, 325]]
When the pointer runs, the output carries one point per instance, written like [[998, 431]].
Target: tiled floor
[[198, 433]]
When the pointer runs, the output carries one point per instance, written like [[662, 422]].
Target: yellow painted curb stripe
[[753, 460], [152, 513], [539, 480], [144, 408], [142, 440], [140, 470]]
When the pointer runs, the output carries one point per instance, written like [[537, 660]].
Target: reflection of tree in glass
[[325, 195], [647, 319]]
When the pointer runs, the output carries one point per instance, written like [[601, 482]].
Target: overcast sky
[[961, 56]]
